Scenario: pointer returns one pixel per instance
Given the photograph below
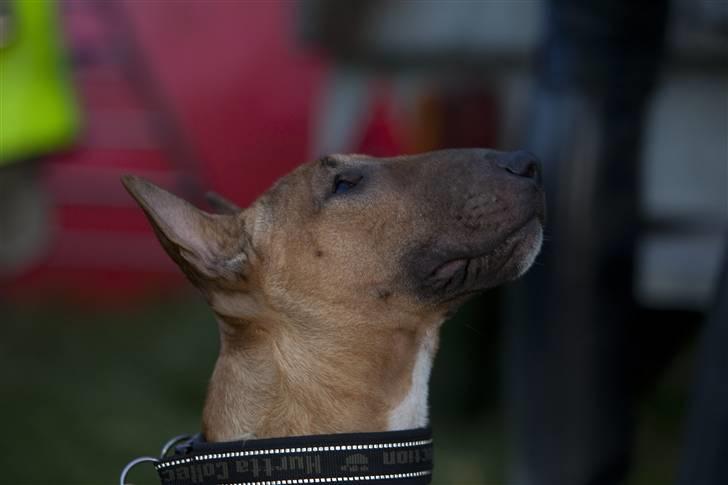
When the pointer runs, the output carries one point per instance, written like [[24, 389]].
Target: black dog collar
[[393, 457]]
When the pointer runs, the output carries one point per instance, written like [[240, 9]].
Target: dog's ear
[[206, 246]]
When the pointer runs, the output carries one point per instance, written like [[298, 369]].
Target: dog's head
[[329, 288], [352, 234]]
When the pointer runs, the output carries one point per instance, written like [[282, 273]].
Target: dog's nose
[[521, 163]]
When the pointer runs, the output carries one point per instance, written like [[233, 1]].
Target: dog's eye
[[343, 185]]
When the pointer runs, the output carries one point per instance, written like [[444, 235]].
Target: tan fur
[[320, 317]]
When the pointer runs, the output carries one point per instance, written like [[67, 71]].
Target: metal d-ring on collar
[[402, 457], [148, 459]]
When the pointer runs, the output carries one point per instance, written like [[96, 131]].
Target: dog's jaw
[[412, 411]]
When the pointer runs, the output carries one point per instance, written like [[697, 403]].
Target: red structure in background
[[214, 94], [199, 96]]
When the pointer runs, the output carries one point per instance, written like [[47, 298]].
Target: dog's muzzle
[[398, 457]]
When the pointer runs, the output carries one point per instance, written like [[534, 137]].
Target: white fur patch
[[412, 411]]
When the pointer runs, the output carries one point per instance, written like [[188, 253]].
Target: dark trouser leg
[[568, 359]]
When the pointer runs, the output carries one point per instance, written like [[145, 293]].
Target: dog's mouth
[[506, 260]]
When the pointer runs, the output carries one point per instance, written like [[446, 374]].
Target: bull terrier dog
[[330, 289]]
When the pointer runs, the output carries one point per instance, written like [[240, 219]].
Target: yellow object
[[38, 113]]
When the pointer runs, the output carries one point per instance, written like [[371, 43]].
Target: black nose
[[521, 163]]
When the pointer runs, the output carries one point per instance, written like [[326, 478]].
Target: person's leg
[[568, 356]]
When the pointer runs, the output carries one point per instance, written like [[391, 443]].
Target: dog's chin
[[459, 278], [528, 247]]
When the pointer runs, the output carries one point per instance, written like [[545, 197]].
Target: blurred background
[[604, 365]]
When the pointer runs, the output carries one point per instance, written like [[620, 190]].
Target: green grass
[[84, 392]]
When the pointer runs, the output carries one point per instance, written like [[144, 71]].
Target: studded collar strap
[[393, 457]]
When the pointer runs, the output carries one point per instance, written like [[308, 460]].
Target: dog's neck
[[280, 381]]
